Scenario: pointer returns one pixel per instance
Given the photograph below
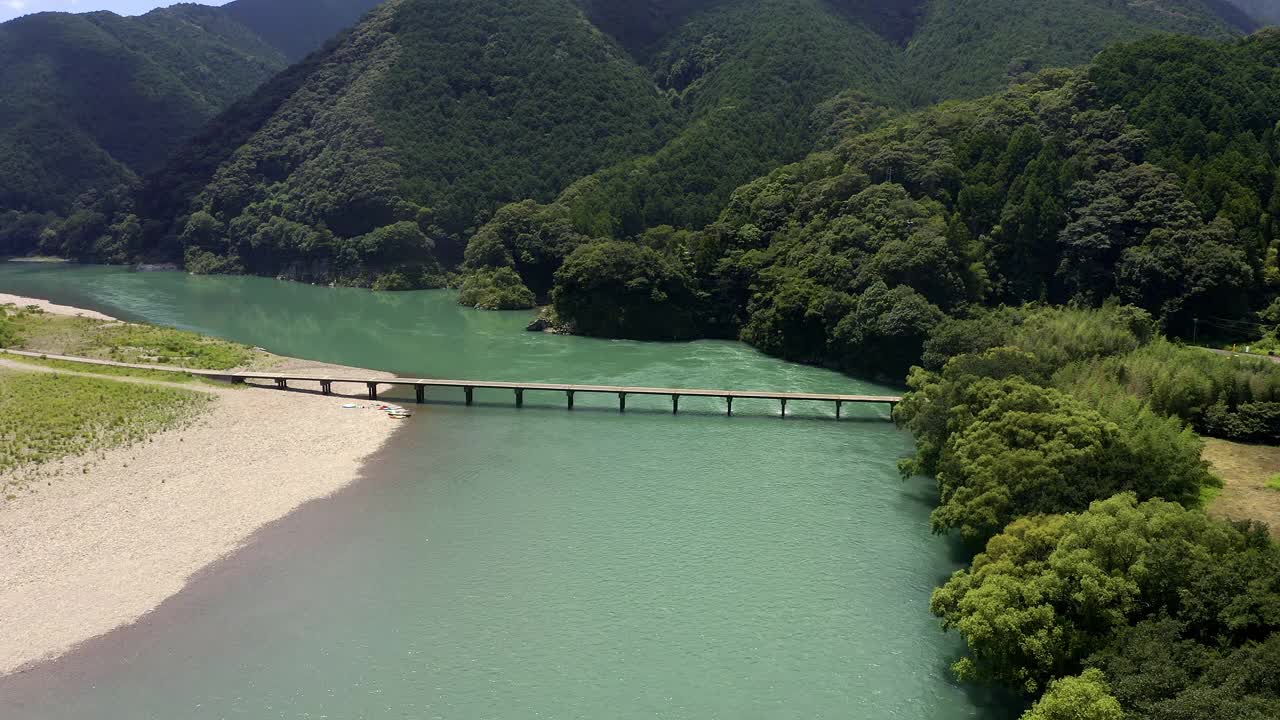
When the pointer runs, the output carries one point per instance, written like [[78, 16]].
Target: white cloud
[[15, 4]]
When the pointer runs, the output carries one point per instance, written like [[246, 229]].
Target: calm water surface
[[537, 563]]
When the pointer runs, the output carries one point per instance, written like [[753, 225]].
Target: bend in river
[[503, 563]]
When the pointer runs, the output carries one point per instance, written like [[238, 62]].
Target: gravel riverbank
[[122, 530]]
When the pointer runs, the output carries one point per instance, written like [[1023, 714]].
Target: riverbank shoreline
[[112, 535], [53, 308]]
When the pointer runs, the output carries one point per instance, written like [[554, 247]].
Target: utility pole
[[1195, 329]]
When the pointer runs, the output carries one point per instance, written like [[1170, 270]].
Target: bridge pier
[[421, 386]]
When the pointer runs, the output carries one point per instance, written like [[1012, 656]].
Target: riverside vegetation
[[1031, 258], [1062, 444], [49, 416], [34, 330], [45, 417]]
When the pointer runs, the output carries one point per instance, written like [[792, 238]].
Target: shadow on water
[[995, 703]]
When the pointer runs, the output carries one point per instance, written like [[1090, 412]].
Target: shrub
[[621, 289], [1051, 591], [496, 289]]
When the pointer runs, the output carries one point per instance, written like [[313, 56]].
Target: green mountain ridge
[[1079, 186], [297, 27], [613, 118], [341, 156], [1265, 12], [89, 101], [962, 46], [122, 92], [704, 95]]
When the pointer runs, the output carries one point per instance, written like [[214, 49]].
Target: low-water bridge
[[468, 387]]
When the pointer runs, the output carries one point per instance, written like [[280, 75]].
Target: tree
[[620, 289], [886, 329], [401, 243], [1053, 590], [202, 231], [1113, 213], [1023, 450], [534, 239], [495, 289], [1083, 697]]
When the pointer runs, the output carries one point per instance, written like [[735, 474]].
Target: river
[[537, 563]]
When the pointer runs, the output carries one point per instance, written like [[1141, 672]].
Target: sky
[[10, 9]]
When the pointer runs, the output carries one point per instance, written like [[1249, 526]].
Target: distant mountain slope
[[429, 113], [1081, 185], [87, 98], [752, 74], [747, 75], [964, 48], [594, 118], [297, 27], [1263, 11]]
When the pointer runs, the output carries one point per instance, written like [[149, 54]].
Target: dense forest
[[88, 102], [1073, 186], [76, 114], [1029, 253], [641, 116], [971, 240], [1061, 441]]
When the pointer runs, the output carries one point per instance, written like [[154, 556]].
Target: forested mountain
[[297, 27], [597, 117], [964, 48], [746, 77], [1263, 11], [88, 101], [1078, 185], [429, 113]]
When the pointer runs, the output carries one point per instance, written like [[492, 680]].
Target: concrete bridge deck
[[420, 386], [469, 387]]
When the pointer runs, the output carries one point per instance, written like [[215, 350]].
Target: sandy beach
[[100, 548], [7, 299]]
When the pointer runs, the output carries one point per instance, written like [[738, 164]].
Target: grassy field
[[28, 329], [46, 417], [1251, 474]]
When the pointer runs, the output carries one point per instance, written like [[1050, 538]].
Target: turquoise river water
[[537, 563]]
